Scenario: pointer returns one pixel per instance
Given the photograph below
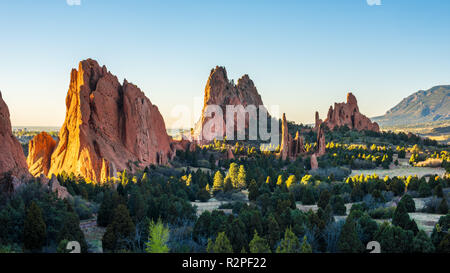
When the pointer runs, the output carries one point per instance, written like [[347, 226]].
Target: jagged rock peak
[[347, 114], [109, 127]]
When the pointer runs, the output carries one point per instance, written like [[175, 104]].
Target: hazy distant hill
[[427, 106]]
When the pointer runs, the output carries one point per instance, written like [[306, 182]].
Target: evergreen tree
[[444, 245], [273, 231], [221, 245], [253, 191], [158, 236], [218, 182], [120, 231], [324, 199], [228, 184], [422, 243], [35, 230], [306, 247], [440, 230], [394, 239], [71, 231], [290, 243], [408, 202], [242, 178], [424, 189], [443, 206], [401, 219], [438, 190], [106, 210], [308, 196], [348, 240], [259, 245], [338, 205]]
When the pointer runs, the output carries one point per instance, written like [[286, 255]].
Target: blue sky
[[302, 55]]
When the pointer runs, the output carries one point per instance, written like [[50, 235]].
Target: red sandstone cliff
[[12, 158], [109, 127]]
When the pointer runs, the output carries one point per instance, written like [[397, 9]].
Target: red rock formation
[[284, 149], [320, 148], [290, 148], [230, 154], [60, 191], [347, 114], [318, 120], [314, 163], [109, 127], [222, 92], [40, 151], [12, 158], [181, 145], [320, 144], [297, 146]]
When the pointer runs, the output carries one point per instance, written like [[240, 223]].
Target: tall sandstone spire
[[108, 127], [12, 158]]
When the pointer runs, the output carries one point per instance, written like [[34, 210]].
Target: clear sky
[[302, 55]]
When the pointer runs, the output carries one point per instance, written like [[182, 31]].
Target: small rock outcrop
[[109, 127], [12, 158], [314, 163], [60, 191], [40, 150], [222, 92], [347, 114]]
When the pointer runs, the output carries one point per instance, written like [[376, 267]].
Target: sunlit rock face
[[40, 151], [347, 114], [12, 158], [220, 91], [108, 127]]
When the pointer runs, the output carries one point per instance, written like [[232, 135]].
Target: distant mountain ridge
[[424, 106]]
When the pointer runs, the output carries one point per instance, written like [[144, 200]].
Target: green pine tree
[[35, 230], [158, 236], [221, 245], [290, 243], [306, 247], [348, 240], [120, 232], [258, 244], [71, 231]]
